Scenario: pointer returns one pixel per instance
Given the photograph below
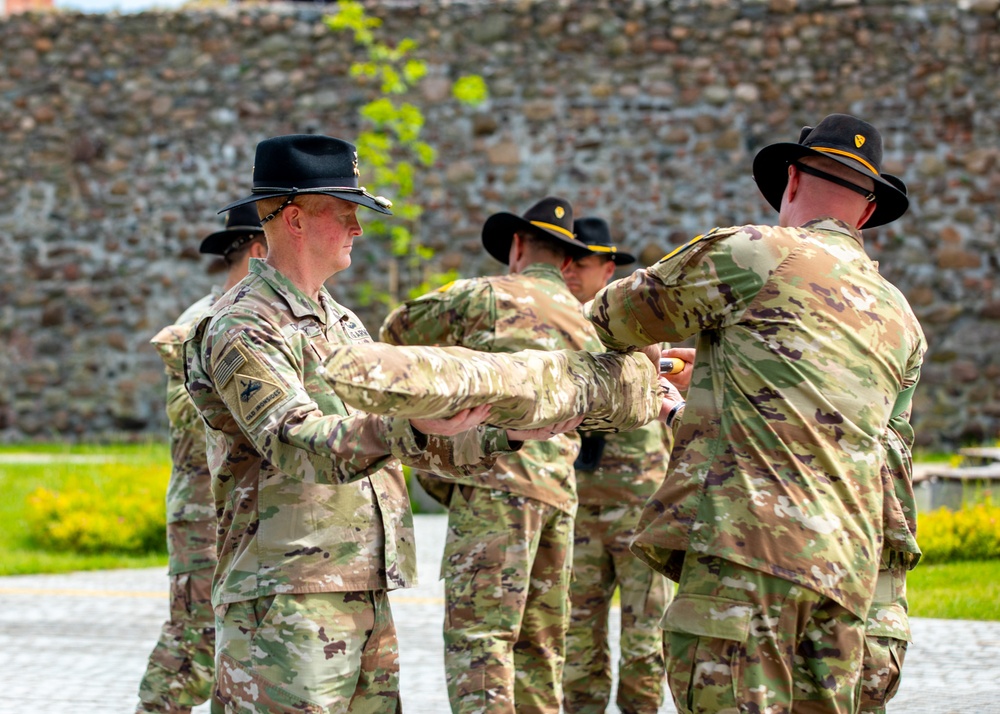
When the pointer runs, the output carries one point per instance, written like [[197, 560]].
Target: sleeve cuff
[[401, 438], [496, 443]]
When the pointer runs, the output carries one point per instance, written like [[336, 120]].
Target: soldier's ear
[[869, 210], [516, 248], [292, 217], [258, 249]]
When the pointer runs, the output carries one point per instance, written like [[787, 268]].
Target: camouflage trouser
[[601, 562], [506, 568], [312, 653], [180, 670], [887, 634], [740, 640]]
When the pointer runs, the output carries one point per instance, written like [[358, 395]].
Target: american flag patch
[[231, 362]]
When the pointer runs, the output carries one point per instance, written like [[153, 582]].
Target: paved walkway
[[78, 643]]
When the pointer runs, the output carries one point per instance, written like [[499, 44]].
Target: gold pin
[[560, 211], [859, 140]]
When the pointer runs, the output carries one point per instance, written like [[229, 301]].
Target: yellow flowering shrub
[[972, 533], [121, 511]]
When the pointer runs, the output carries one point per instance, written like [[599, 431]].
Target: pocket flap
[[707, 616], [888, 620]]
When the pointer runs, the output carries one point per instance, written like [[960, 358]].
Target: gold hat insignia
[[859, 140], [358, 173], [560, 211]]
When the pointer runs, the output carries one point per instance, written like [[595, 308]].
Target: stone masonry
[[121, 135]]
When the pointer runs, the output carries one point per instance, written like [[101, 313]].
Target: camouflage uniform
[[182, 665], [887, 627], [315, 522], [529, 389], [507, 557], [612, 486], [803, 351]]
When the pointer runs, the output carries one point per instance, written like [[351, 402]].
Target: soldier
[[771, 514], [181, 667], [887, 627], [314, 519], [615, 474], [507, 556]]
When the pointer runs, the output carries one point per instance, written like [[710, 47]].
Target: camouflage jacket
[[530, 310], [189, 492], [888, 615], [632, 465], [900, 506], [190, 507], [310, 495], [803, 350]]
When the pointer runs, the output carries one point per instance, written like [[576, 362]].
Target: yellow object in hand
[[669, 365]]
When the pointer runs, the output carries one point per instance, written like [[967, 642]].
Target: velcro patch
[[250, 387], [681, 248], [230, 362]]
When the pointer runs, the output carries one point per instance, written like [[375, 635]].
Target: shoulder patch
[[681, 248], [248, 386]]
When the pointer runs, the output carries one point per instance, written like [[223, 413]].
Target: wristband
[[672, 414]]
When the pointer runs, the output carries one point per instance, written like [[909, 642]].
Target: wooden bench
[[981, 454], [938, 485]]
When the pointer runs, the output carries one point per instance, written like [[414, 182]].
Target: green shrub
[[122, 512], [972, 533]]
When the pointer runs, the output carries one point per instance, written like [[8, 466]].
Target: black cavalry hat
[[596, 234], [298, 164], [847, 140], [242, 226], [551, 217]]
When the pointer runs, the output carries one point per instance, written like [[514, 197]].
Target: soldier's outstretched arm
[[240, 376], [704, 284], [527, 390]]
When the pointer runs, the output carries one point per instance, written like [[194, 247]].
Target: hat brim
[[217, 243], [770, 171], [360, 198], [620, 258], [499, 230]]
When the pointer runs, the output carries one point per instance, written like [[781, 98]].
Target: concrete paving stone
[[79, 642]]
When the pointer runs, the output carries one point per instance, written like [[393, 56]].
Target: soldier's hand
[[671, 397], [681, 380], [653, 353], [463, 421], [545, 432]]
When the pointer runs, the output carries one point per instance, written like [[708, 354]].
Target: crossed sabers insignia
[[250, 387]]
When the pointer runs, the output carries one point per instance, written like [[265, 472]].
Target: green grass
[[932, 457], [955, 591], [17, 480]]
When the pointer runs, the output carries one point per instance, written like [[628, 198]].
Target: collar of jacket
[[300, 304], [836, 225]]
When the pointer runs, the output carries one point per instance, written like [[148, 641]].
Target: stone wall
[[122, 135]]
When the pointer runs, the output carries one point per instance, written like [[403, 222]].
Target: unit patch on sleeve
[[247, 385], [694, 241]]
